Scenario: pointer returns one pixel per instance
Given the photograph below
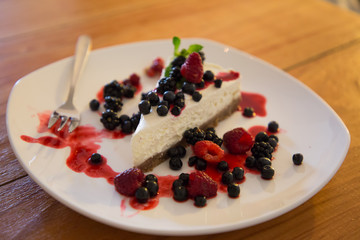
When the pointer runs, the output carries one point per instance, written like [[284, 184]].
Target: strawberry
[[200, 184], [208, 151], [192, 69], [128, 181], [238, 141]]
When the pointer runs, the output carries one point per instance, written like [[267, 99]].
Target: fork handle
[[82, 51]]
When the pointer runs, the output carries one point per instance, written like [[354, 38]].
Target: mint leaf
[[176, 42], [194, 48]]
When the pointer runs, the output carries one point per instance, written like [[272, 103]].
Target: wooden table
[[314, 41]]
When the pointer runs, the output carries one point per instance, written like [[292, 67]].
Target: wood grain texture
[[314, 41]]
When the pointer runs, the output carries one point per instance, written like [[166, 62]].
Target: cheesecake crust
[[157, 159]]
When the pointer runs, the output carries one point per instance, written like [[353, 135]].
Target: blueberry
[[175, 163], [233, 190], [222, 166], [177, 183], [218, 83], [196, 96], [180, 102], [200, 201], [173, 152], [200, 85], [261, 137], [208, 75], [227, 178], [272, 142], [185, 178], [267, 172], [124, 118], [151, 177], [94, 105], [201, 164], [165, 103], [175, 110], [192, 161], [250, 161], [144, 107], [162, 110], [297, 158], [152, 187], [249, 112], [169, 96], [153, 98], [262, 161], [180, 193], [180, 94], [181, 151], [274, 137], [95, 159], [142, 195], [188, 88], [126, 127], [273, 127], [238, 173]]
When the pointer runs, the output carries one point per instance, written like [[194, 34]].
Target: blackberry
[[250, 162], [166, 84], [129, 91], [177, 183], [153, 98], [142, 195], [200, 85], [222, 166], [192, 161], [152, 187], [169, 96], [273, 127], [267, 172], [180, 193], [114, 89], [201, 164], [95, 159], [126, 127], [123, 118], [109, 120], [194, 135], [261, 137], [218, 83], [261, 162], [238, 173], [227, 178], [208, 76], [175, 163], [113, 103], [178, 61], [233, 190], [249, 112], [188, 88], [162, 110], [180, 102], [200, 201], [262, 149], [185, 178], [175, 110], [175, 74], [218, 141], [274, 137], [272, 142], [144, 107], [196, 96], [151, 177], [94, 105], [297, 158]]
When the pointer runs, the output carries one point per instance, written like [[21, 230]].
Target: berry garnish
[[95, 159], [175, 163], [273, 127], [179, 102], [193, 135], [94, 105], [196, 96], [113, 103], [227, 178], [267, 172], [200, 201], [109, 120], [222, 166], [129, 91], [218, 83], [261, 137], [208, 151], [156, 67], [238, 141], [297, 158], [249, 112], [185, 178], [192, 161], [152, 187], [180, 193], [128, 181], [126, 127], [208, 76], [250, 162], [201, 164], [162, 110], [192, 69], [153, 98], [142, 194], [188, 88], [262, 161], [169, 96], [151, 177], [114, 89], [200, 85], [144, 107], [175, 110], [134, 79], [238, 173], [177, 183], [200, 184], [233, 190], [262, 149], [178, 61]]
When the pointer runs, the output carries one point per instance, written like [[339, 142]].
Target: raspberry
[[192, 69], [238, 141], [127, 182], [134, 79], [200, 184], [156, 67], [208, 151]]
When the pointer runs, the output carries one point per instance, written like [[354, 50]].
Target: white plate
[[309, 126]]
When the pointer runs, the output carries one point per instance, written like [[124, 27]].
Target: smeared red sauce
[[254, 100], [228, 76]]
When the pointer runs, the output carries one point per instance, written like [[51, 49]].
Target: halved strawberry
[[208, 151], [238, 141], [128, 181], [192, 69], [200, 184]]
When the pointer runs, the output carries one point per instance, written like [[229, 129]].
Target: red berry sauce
[[254, 100]]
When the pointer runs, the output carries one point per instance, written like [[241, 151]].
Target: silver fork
[[67, 110]]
